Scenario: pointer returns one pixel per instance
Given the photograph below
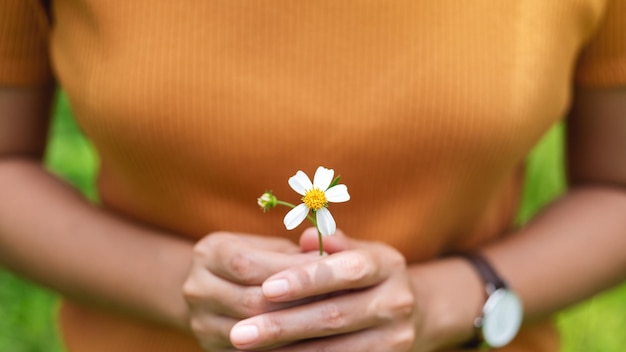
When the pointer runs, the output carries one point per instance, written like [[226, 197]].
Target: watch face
[[502, 317]]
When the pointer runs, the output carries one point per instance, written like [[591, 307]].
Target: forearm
[[573, 250], [51, 235]]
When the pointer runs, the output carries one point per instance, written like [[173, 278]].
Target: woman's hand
[[224, 285], [364, 302]]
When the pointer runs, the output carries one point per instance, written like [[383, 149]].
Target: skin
[[363, 294], [582, 233]]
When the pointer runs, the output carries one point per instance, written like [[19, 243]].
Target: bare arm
[[579, 243], [50, 234], [574, 249]]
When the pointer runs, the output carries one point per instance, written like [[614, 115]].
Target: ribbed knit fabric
[[426, 109], [23, 43]]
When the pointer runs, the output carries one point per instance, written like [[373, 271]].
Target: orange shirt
[[427, 109]]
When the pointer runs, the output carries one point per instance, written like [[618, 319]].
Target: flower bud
[[266, 201]]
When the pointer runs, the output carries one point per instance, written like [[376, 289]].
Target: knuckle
[[212, 242], [391, 307], [242, 267], [273, 328], [355, 269], [200, 251], [396, 259], [252, 303], [192, 291], [404, 304], [300, 277], [333, 319], [207, 242]]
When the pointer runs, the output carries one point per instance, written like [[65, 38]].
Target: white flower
[[316, 197]]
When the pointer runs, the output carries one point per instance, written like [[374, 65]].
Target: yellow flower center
[[315, 199]]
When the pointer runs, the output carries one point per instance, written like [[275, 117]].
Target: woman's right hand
[[224, 284]]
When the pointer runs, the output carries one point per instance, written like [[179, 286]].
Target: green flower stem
[[312, 220], [278, 201], [320, 243]]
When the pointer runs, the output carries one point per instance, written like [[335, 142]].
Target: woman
[[426, 109]]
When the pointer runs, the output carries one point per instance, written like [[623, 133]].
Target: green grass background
[[27, 310]]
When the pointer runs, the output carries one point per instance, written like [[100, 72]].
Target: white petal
[[300, 182], [325, 222], [323, 177], [337, 194], [295, 216]]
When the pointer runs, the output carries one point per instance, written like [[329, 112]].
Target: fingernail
[[275, 288], [244, 334]]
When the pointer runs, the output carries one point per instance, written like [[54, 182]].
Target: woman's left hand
[[366, 302]]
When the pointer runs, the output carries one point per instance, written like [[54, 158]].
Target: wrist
[[502, 312], [174, 262], [450, 296]]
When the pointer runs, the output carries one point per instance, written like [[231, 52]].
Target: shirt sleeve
[[24, 33], [602, 62]]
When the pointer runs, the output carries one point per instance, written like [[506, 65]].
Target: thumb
[[309, 241]]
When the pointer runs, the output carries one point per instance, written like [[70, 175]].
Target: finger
[[207, 293], [392, 338], [277, 244], [249, 266], [246, 260], [335, 316], [313, 320], [266, 242], [212, 331], [352, 269], [309, 241]]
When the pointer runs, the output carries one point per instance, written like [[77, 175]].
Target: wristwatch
[[502, 313]]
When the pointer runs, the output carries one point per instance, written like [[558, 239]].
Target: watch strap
[[492, 282], [486, 272]]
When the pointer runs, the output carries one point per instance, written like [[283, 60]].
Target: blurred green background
[[27, 310]]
